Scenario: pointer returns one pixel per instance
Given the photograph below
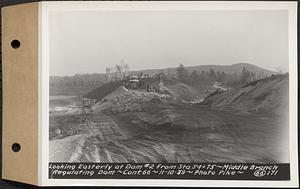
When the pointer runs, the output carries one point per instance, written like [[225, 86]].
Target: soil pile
[[266, 96], [127, 100], [104, 90]]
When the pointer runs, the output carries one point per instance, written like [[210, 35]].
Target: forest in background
[[231, 75]]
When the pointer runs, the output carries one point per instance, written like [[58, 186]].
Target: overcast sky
[[88, 42]]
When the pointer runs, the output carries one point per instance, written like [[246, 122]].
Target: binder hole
[[16, 147], [15, 44]]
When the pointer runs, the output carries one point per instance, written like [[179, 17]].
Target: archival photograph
[[169, 86]]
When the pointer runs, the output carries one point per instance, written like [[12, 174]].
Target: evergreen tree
[[244, 75], [212, 74], [194, 77], [182, 74]]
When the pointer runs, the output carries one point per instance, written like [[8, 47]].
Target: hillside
[[230, 69], [267, 96], [80, 84]]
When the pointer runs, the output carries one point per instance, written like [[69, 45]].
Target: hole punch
[[16, 147], [15, 44]]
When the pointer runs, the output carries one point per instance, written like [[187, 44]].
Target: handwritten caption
[[161, 170]]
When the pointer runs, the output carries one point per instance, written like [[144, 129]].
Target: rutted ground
[[216, 137], [138, 126]]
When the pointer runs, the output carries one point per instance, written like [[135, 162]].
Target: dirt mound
[[104, 90], [159, 83], [171, 86], [267, 96], [127, 100]]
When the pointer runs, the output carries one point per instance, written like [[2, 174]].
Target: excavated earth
[[136, 126]]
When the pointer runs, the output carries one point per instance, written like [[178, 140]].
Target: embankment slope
[[266, 96]]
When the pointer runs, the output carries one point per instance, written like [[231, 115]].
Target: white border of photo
[[46, 8]]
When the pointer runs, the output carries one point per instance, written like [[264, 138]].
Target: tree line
[[118, 72], [211, 75], [77, 80], [114, 73], [121, 71]]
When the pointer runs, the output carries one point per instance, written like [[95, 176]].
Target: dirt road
[[199, 134]]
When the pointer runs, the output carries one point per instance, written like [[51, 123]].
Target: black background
[[14, 185]]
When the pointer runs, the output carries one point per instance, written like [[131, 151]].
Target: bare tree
[[168, 71], [126, 70], [122, 70], [108, 70], [119, 70], [140, 75]]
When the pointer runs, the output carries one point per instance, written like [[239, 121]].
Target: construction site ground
[[165, 132]]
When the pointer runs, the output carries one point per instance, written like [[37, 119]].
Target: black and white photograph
[[150, 93], [169, 86]]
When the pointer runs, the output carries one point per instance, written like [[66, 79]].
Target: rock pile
[[133, 101]]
